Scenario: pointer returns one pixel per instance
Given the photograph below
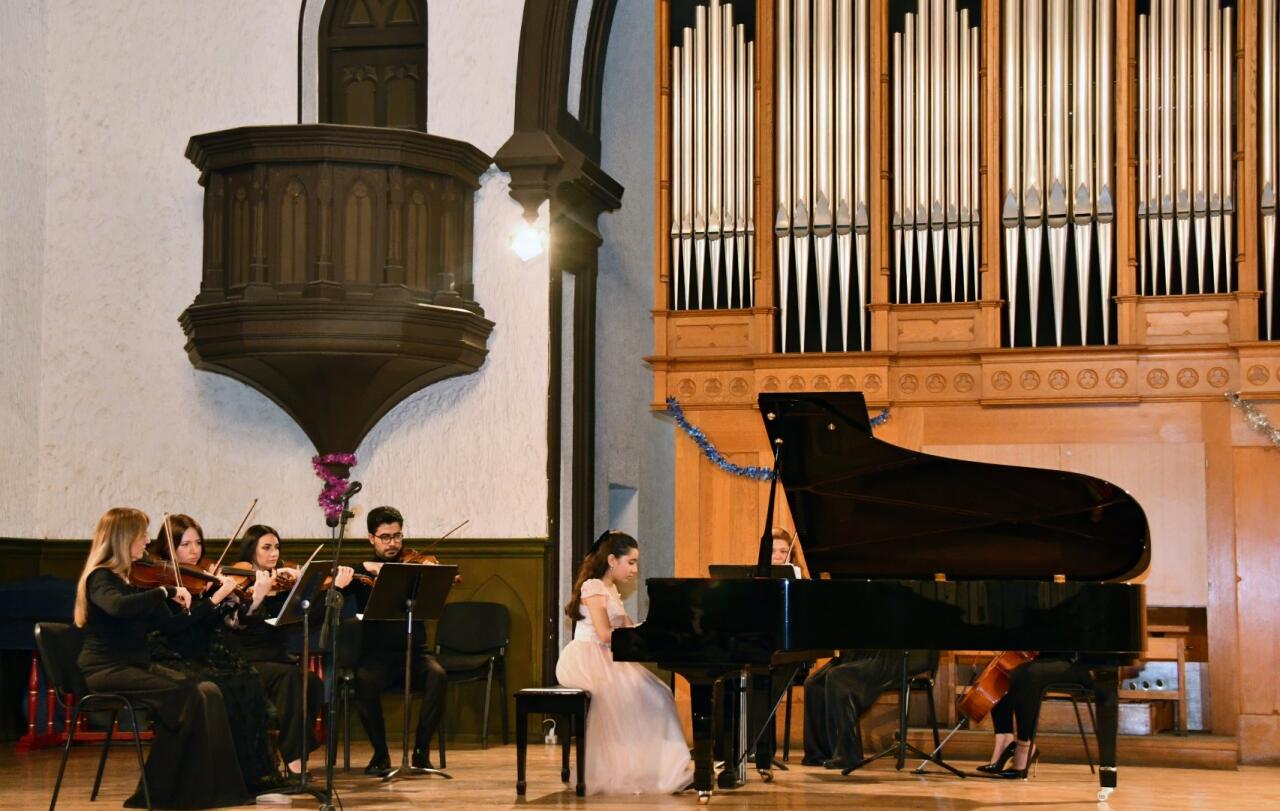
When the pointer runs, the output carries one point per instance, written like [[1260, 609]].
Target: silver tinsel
[[1256, 419]]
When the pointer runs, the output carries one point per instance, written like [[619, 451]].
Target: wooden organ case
[[1026, 227]]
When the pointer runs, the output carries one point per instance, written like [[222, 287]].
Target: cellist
[[382, 654], [1020, 708]]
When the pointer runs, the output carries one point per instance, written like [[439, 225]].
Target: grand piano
[[909, 552]]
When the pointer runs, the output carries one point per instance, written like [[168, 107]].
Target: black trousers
[[1022, 703], [837, 694], [283, 684], [381, 670], [192, 762]]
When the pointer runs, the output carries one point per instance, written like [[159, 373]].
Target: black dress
[[266, 648], [200, 651], [192, 763]]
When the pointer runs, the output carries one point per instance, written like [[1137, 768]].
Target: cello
[[992, 684]]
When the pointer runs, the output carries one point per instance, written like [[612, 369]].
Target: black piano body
[[922, 552]]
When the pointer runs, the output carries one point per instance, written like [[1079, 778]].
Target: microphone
[[352, 489]]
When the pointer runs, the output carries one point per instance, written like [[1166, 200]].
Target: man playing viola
[[382, 654]]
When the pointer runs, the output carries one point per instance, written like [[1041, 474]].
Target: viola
[[992, 684]]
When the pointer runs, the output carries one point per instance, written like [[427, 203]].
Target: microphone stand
[[765, 556], [329, 634]]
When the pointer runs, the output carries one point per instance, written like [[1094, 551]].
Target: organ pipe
[[1184, 159], [936, 154], [1057, 69], [1267, 154], [822, 173], [712, 228]]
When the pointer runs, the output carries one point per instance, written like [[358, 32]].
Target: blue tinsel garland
[[751, 471]]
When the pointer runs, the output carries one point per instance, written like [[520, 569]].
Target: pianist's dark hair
[[610, 542]]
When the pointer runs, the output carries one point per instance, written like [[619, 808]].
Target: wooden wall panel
[[1168, 481], [1257, 472]]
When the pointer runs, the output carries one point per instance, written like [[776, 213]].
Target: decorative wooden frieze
[[336, 253], [991, 378]]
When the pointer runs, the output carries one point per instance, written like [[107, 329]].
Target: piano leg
[[702, 706], [1106, 682], [760, 713]]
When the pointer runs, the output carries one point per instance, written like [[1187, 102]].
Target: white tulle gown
[[635, 744]]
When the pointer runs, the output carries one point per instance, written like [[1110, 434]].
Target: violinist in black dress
[[266, 646], [192, 762], [202, 653]]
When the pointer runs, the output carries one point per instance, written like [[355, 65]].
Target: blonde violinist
[[192, 763]]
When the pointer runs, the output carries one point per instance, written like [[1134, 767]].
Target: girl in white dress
[[634, 738]]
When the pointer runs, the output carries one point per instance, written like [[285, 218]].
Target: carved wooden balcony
[[337, 269]]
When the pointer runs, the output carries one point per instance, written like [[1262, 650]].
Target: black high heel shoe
[[1020, 774], [1000, 762]]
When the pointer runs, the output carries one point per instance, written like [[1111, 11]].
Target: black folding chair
[[471, 645], [59, 646]]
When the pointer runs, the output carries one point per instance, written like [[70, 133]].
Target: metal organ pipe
[[1267, 157], [1011, 204], [936, 154], [822, 176], [1184, 159], [1058, 70], [711, 149]]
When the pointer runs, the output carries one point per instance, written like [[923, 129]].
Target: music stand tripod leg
[[405, 767]]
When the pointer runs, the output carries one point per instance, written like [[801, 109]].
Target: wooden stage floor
[[486, 779]]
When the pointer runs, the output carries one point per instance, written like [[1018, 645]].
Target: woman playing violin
[[382, 652], [192, 763], [201, 652], [266, 647]]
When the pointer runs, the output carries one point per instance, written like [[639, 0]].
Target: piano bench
[[566, 703]]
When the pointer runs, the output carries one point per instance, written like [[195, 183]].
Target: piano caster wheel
[[704, 797], [766, 776], [1104, 793]]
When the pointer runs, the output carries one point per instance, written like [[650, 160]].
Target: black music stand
[[297, 608], [902, 746], [401, 591]]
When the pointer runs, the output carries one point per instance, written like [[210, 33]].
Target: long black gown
[[266, 648], [200, 651], [192, 762]]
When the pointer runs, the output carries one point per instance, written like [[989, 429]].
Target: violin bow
[[432, 545], [173, 552], [173, 555], [234, 537]]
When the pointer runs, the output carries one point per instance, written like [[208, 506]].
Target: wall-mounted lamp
[[529, 241]]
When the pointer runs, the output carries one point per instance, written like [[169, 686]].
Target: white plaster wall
[[22, 200], [634, 447], [124, 416]]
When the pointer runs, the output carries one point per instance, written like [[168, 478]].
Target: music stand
[[401, 591], [297, 608], [902, 746]]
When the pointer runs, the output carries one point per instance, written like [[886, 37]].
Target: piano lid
[[866, 508]]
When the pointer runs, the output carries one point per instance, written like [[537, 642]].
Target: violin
[[992, 684], [148, 574], [284, 580], [408, 556], [244, 572]]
